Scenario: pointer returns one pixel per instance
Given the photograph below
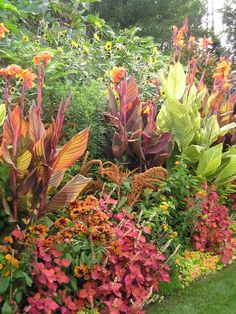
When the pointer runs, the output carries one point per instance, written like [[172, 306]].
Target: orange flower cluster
[[43, 56], [81, 271], [3, 30], [15, 71], [206, 42], [38, 230], [210, 262], [61, 222], [117, 74], [178, 35], [90, 218], [222, 71]]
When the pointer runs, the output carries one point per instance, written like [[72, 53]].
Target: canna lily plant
[[189, 115], [31, 151], [136, 134]]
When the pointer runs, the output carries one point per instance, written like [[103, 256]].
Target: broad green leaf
[[176, 81], [193, 152], [68, 193], [211, 131], [210, 160], [4, 284], [6, 308], [71, 151], [2, 113], [228, 171]]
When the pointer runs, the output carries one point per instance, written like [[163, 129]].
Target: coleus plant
[[136, 134], [31, 150]]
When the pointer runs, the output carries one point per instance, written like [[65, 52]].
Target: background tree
[[229, 21], [154, 17]]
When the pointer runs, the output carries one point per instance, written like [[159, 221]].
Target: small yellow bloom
[[155, 51], [108, 45], [153, 60], [162, 94], [8, 239], [147, 110], [177, 262], [86, 49], [203, 193], [74, 44], [163, 198], [96, 37], [25, 38], [177, 163], [1, 266], [173, 235], [98, 24], [165, 227]]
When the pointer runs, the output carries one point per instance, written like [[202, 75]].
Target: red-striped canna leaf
[[71, 151], [68, 193], [23, 162], [131, 91], [6, 155], [56, 178], [36, 127]]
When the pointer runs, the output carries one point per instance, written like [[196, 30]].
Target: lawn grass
[[214, 295]]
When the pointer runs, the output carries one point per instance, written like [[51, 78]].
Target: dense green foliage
[[154, 18]]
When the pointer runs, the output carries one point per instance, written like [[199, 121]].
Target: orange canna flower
[[43, 56], [117, 74], [28, 77], [3, 30], [206, 42]]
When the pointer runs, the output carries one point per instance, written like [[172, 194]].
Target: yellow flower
[[203, 193], [106, 92], [86, 49], [173, 235], [163, 198], [25, 38], [164, 205], [147, 110], [153, 60], [177, 163], [162, 94], [98, 24], [45, 36], [96, 37], [155, 51], [74, 44], [108, 45], [177, 262], [1, 266], [8, 239], [165, 227], [11, 260]]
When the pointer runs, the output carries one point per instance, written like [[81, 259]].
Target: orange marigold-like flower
[[8, 239], [117, 74], [43, 56], [3, 30], [12, 261], [61, 222], [39, 230], [80, 271]]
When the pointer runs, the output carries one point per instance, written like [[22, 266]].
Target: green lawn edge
[[215, 294]]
